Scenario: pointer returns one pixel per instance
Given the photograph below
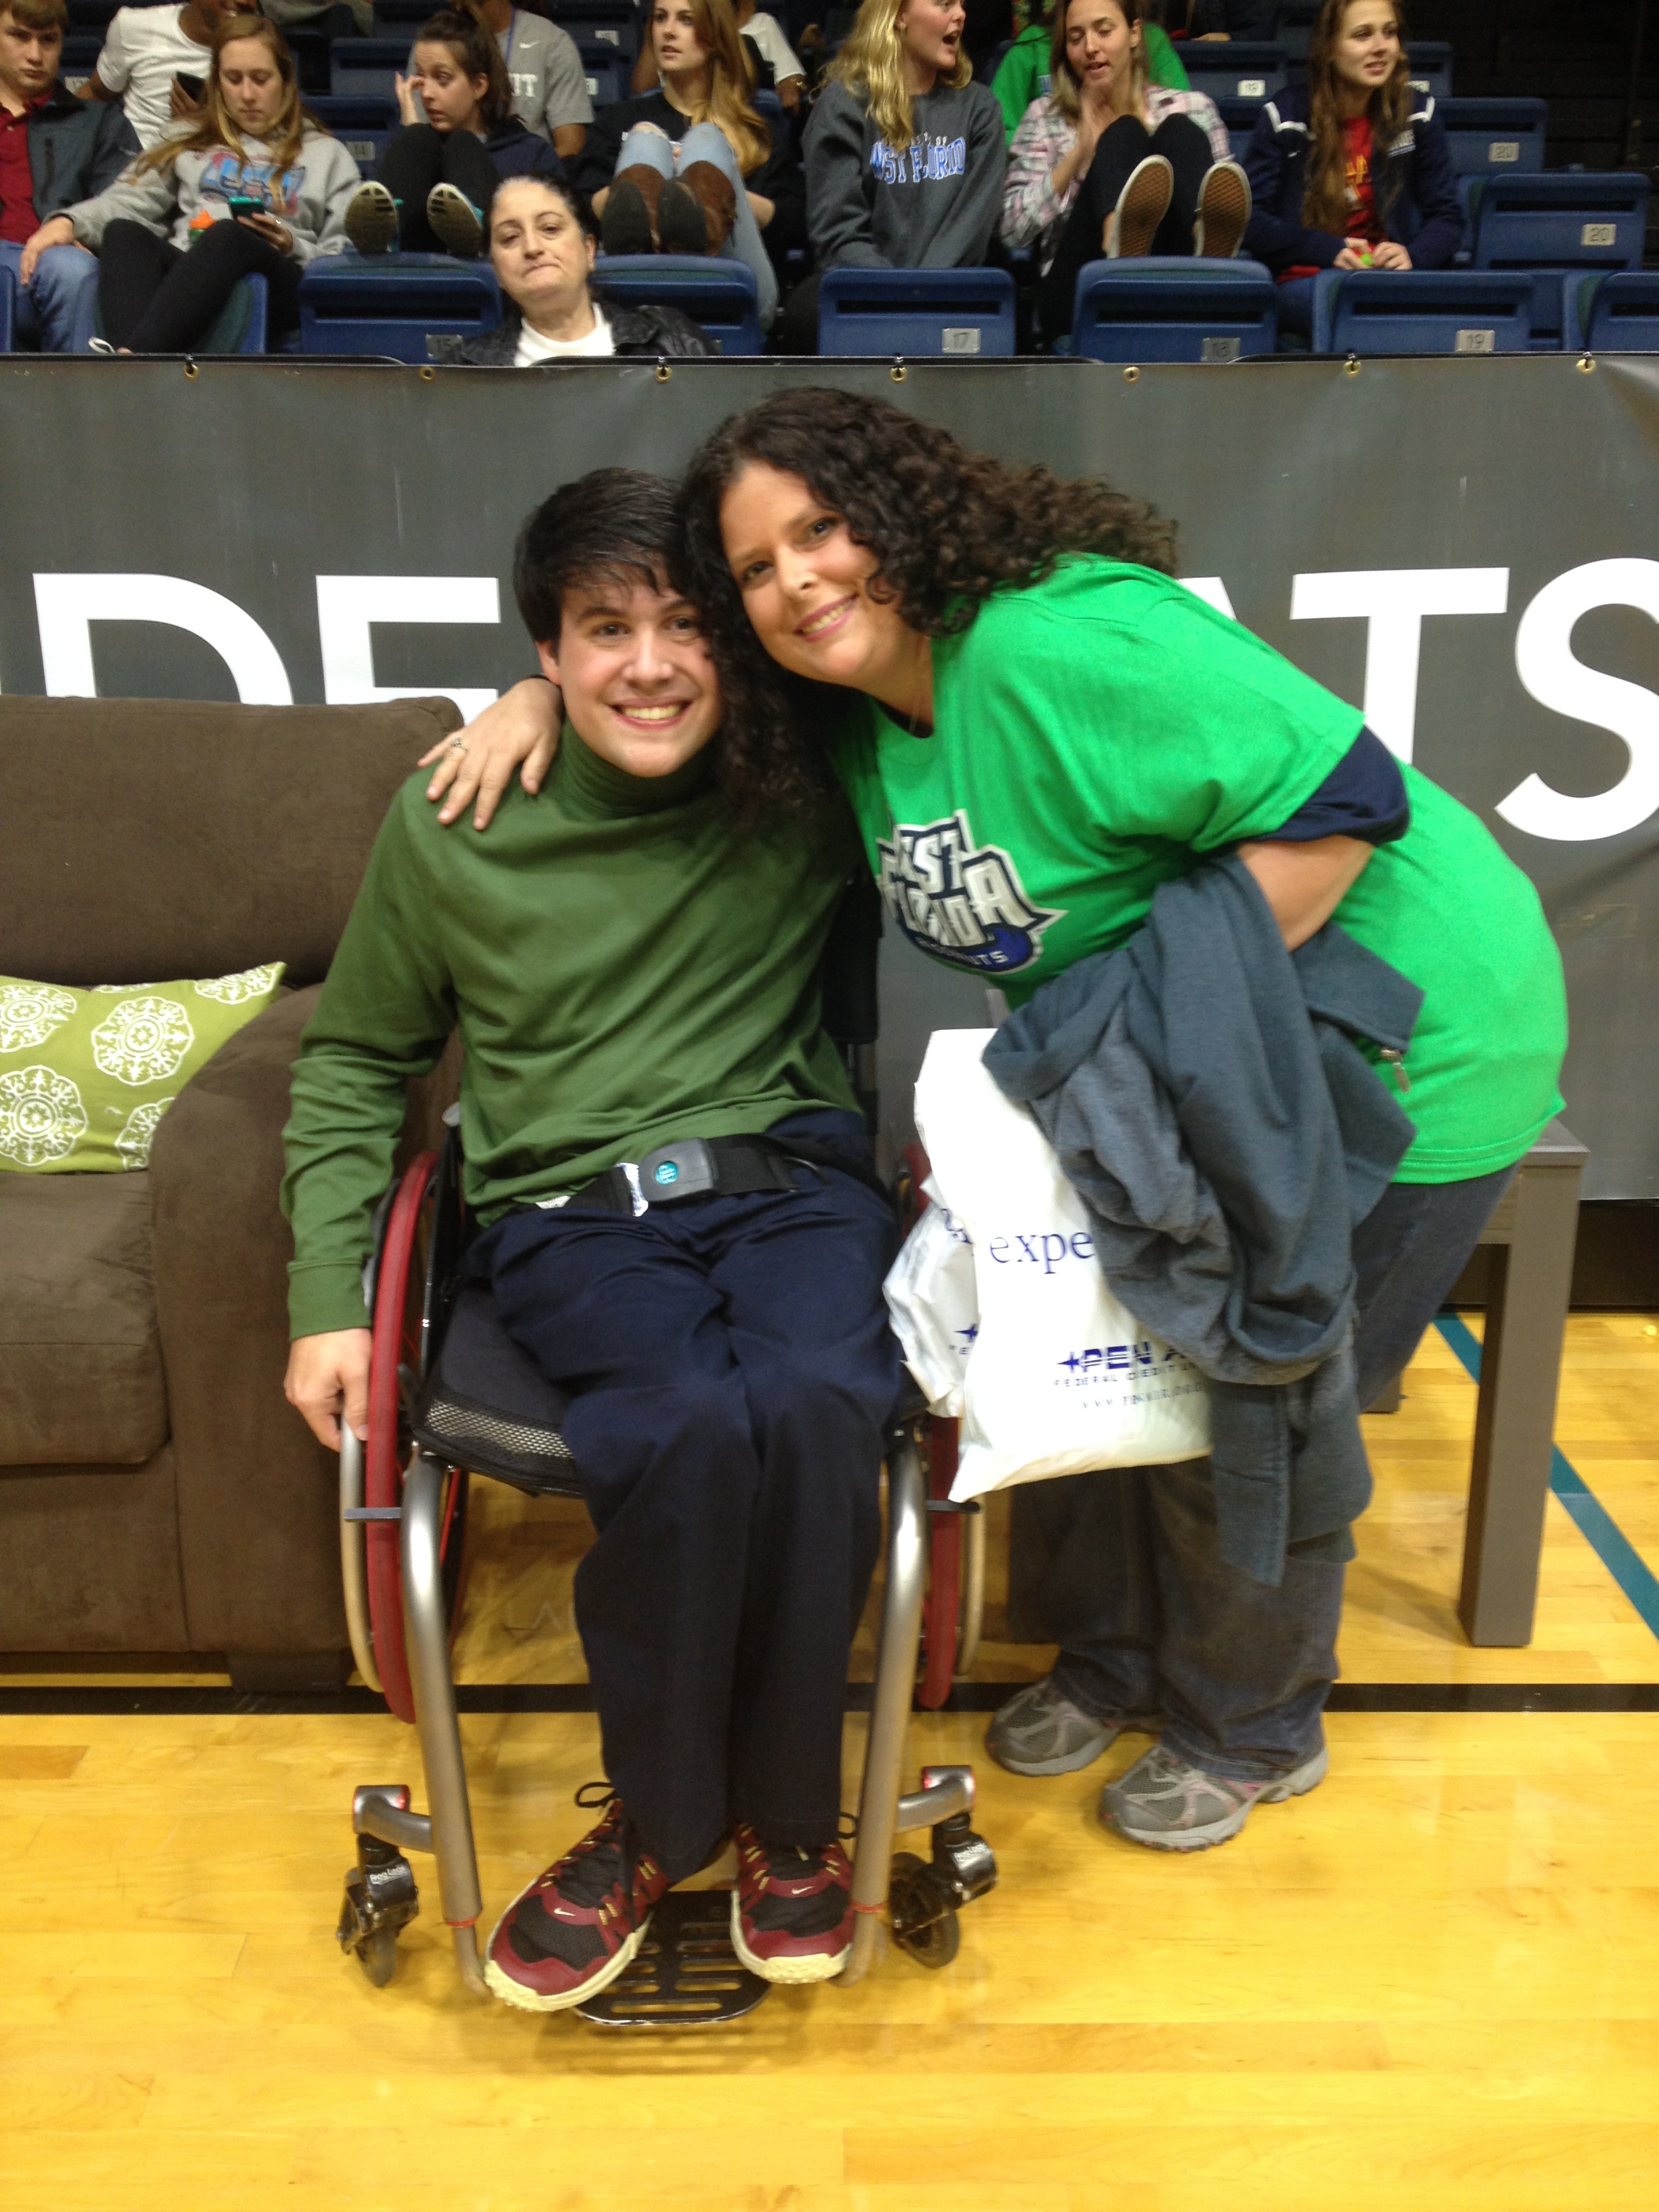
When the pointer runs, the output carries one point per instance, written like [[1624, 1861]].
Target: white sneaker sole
[[784, 1971], [515, 1994], [1296, 1784]]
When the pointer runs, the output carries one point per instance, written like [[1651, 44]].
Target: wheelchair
[[452, 1397]]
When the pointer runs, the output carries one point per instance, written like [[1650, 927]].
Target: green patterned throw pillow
[[85, 1076]]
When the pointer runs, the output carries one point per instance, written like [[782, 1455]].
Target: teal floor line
[[1594, 1524]]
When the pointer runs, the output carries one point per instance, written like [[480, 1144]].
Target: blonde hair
[[871, 66], [727, 105], [288, 131], [1068, 92]]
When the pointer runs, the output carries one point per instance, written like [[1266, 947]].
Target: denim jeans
[[707, 142], [1149, 1616], [55, 314]]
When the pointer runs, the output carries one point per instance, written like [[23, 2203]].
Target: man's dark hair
[[37, 15], [613, 526]]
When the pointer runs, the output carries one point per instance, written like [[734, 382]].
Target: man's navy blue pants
[[733, 1374]]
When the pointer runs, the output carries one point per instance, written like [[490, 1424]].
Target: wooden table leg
[[1514, 1424]]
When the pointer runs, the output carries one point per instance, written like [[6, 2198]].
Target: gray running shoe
[[455, 224], [370, 220], [1039, 1731], [1170, 1806]]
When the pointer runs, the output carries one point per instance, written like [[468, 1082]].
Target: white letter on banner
[[346, 605], [66, 606], [1393, 602], [1212, 591], [1545, 663]]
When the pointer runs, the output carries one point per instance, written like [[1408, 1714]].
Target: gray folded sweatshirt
[[932, 204], [310, 195]]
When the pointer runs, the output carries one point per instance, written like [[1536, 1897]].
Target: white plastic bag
[[934, 1304], [1061, 1377]]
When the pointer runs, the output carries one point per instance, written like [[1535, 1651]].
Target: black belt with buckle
[[710, 1167]]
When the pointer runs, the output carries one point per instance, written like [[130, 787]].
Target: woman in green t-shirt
[[1037, 726]]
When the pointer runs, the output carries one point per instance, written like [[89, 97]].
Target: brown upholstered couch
[[156, 1494]]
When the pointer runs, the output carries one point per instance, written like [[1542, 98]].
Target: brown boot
[[629, 222], [698, 210]]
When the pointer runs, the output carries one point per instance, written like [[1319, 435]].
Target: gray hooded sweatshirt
[[933, 205], [310, 195]]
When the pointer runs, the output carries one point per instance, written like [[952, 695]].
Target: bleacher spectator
[[459, 138], [765, 33], [155, 61], [545, 70], [52, 150], [1354, 171], [690, 167], [542, 238], [905, 153], [1109, 165], [161, 293], [1027, 74]]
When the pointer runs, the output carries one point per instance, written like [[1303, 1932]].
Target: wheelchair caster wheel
[[381, 1900], [923, 1917]]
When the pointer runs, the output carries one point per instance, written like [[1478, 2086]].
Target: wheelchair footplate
[[685, 1974]]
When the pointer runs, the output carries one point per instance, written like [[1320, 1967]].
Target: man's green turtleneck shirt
[[625, 966]]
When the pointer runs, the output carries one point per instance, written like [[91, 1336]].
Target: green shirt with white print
[[1097, 732]]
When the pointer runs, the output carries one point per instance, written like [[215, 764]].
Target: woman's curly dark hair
[[948, 527]]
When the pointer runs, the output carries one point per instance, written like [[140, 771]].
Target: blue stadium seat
[[362, 124], [1239, 116], [1567, 219], [1236, 69], [614, 22], [8, 312], [1433, 311], [93, 14], [393, 303], [606, 68], [718, 295], [1295, 24], [401, 19], [1613, 314], [1495, 137], [310, 53], [1173, 308], [919, 312], [80, 55], [361, 66], [1431, 64]]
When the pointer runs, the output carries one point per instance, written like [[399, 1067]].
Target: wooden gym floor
[[1432, 1982]]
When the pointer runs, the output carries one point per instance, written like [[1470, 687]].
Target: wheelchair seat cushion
[[486, 1407]]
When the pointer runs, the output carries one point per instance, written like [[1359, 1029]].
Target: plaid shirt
[[1032, 211]]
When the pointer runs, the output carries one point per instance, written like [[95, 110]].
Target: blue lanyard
[[512, 34]]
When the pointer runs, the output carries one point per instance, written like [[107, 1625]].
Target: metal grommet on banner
[[191, 369], [664, 372], [898, 371], [1351, 367], [1132, 376], [1587, 363], [429, 375]]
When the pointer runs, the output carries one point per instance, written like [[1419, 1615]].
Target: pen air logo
[[961, 901]]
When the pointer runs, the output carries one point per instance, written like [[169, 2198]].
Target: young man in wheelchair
[[631, 964]]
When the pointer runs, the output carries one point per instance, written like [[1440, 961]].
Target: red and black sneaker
[[792, 1910], [574, 1930]]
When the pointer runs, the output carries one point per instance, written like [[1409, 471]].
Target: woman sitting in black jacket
[[1350, 173], [541, 247]]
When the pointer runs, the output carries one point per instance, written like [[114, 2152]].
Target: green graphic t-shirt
[[1094, 733]]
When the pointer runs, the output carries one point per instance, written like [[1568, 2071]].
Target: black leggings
[[416, 158], [1122, 148], [155, 298]]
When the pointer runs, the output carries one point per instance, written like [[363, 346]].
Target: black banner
[[1469, 548]]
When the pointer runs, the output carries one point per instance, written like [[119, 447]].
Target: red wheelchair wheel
[[397, 1359]]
